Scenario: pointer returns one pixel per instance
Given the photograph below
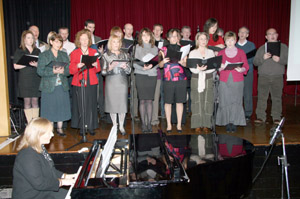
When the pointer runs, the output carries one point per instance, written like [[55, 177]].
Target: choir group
[[92, 76]]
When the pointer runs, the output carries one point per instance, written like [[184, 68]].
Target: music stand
[[82, 117]]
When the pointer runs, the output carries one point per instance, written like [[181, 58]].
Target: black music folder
[[273, 48], [176, 56], [173, 55], [148, 59], [214, 48], [129, 49], [251, 54], [26, 59], [211, 63], [187, 42], [232, 66], [127, 42], [57, 64], [88, 60], [102, 43]]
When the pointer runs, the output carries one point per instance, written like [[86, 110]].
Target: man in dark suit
[[36, 32], [90, 25]]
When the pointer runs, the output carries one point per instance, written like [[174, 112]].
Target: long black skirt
[[84, 107]]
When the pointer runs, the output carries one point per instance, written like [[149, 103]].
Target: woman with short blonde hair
[[34, 174]]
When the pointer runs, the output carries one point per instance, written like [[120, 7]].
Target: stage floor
[[259, 135]]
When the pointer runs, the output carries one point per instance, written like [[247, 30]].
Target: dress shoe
[[144, 128], [92, 132], [276, 122], [60, 132], [198, 130], [258, 121], [123, 132], [206, 130], [179, 130], [149, 128]]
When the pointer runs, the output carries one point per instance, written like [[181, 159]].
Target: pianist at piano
[[34, 174]]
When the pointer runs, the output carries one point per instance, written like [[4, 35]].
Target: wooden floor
[[256, 134]]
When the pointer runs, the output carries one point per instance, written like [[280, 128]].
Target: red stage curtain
[[257, 15]]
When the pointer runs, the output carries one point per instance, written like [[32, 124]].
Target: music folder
[[273, 48], [148, 59], [188, 42], [232, 66], [214, 48], [251, 54], [26, 59], [88, 60], [102, 43], [176, 56], [128, 50], [211, 63], [127, 42], [57, 64]]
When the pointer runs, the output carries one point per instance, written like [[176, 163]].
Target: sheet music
[[107, 151], [160, 44], [68, 196], [185, 50], [148, 57]]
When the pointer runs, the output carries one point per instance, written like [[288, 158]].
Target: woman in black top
[[34, 174], [29, 81]]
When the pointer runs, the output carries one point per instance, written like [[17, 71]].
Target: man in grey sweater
[[270, 78]]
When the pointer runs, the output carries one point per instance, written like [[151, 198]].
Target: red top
[[211, 42], [237, 76], [75, 57]]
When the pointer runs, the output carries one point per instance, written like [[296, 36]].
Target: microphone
[[198, 29], [136, 35], [277, 131]]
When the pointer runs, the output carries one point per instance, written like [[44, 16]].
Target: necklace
[[84, 52]]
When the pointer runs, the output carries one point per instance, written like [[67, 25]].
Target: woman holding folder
[[202, 94], [29, 81], [146, 75], [53, 67], [85, 81], [230, 110], [116, 70], [175, 89]]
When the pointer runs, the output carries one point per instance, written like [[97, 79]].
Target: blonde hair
[[23, 36], [33, 132], [78, 35], [198, 36], [109, 44]]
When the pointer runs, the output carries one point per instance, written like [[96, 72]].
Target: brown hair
[[56, 36], [78, 35], [197, 37], [24, 33], [33, 132], [149, 32], [159, 25], [109, 44], [171, 31], [210, 23], [116, 29], [229, 34]]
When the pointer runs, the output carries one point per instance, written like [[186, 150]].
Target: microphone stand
[[214, 116], [82, 117], [132, 83], [284, 169]]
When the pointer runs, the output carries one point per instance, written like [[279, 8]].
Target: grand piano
[[174, 166]]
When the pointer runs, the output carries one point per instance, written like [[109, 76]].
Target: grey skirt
[[55, 106], [230, 109], [116, 94], [145, 86]]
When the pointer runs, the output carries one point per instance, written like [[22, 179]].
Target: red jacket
[[75, 59]]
